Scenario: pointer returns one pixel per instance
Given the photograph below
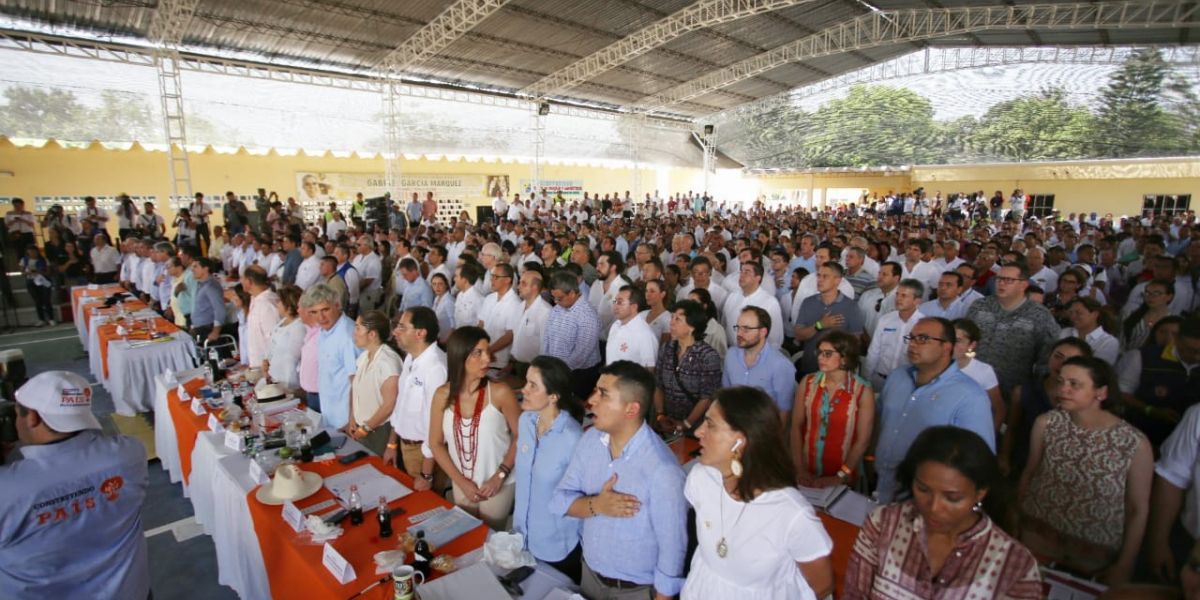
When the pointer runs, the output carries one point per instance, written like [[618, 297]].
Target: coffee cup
[[402, 582]]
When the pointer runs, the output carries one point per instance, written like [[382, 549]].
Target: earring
[[735, 466], [970, 353], [978, 506]]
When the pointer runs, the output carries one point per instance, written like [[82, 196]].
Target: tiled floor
[[183, 565]]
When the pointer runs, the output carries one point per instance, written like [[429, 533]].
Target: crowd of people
[[956, 360]]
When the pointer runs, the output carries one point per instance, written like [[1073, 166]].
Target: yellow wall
[[56, 171]]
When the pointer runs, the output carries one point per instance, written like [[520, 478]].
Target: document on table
[[840, 502], [371, 485], [443, 525], [476, 582]]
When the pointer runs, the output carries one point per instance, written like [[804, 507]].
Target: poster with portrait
[[497, 185], [315, 190]]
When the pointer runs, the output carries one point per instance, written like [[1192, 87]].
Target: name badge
[[236, 442], [198, 408], [293, 516], [214, 424], [337, 565], [184, 396], [257, 474]]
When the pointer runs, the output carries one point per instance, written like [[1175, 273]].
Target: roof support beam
[[443, 30], [887, 27], [701, 15]]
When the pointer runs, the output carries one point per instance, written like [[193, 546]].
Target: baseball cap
[[62, 398]]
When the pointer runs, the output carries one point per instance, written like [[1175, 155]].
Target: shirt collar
[[632, 445], [912, 373], [975, 534]]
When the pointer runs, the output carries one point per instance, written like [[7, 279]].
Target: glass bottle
[[422, 555], [385, 518], [356, 511]]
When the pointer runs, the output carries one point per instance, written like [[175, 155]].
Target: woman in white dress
[[758, 537], [282, 364], [966, 334], [443, 306], [472, 429]]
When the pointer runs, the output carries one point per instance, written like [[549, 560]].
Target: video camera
[[376, 213]]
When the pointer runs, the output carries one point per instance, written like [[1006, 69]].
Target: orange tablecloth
[[187, 424], [108, 332], [842, 533], [294, 568]]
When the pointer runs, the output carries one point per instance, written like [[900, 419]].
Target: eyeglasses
[[827, 353], [1009, 279], [878, 304], [747, 327], [922, 339], [1154, 293]]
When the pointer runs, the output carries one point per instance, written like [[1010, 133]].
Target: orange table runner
[[78, 293], [187, 424], [108, 332], [130, 306], [294, 567], [842, 533]]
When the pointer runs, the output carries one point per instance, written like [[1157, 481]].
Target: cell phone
[[520, 574], [349, 458]]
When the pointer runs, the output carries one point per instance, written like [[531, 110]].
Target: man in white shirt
[[310, 267], [630, 337], [437, 264], [525, 253], [499, 315], [456, 245], [96, 215], [423, 372], [370, 270], [950, 258], [133, 254], [1042, 276], [888, 349], [701, 271], [200, 213], [916, 267], [752, 293], [106, 260], [469, 300], [489, 255], [604, 292], [19, 223], [527, 337]]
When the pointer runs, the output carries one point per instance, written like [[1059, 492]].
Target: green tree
[[874, 126], [123, 117], [1039, 127], [35, 113], [1132, 120]]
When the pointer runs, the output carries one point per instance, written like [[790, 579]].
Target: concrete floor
[[183, 563]]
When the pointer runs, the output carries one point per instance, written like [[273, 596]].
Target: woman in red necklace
[[472, 429]]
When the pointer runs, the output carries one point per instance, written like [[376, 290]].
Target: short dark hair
[[836, 267], [960, 449], [423, 317], [893, 266], [757, 266], [470, 270], [695, 315], [636, 383], [947, 328], [845, 344], [409, 264], [637, 296], [764, 318], [614, 260], [968, 327], [563, 281], [257, 275], [1102, 375]]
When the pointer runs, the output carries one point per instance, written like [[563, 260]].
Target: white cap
[[62, 399]]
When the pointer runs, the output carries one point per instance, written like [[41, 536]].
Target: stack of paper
[[840, 502], [372, 484], [442, 525]]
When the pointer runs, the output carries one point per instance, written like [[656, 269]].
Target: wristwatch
[[502, 474]]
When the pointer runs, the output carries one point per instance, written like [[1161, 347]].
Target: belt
[[620, 584], [410, 442]]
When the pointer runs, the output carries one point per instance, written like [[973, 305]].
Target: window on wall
[[1165, 204], [1040, 205]]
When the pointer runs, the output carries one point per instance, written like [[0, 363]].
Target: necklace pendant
[[722, 549]]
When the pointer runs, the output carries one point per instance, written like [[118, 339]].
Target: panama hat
[[288, 485]]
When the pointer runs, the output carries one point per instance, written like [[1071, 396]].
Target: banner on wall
[[572, 189], [321, 188]]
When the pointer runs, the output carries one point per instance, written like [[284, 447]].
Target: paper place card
[[214, 424], [257, 474], [338, 565], [198, 408], [236, 441], [184, 396], [293, 516], [93, 286]]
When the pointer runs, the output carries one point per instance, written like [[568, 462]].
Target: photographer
[[73, 499]]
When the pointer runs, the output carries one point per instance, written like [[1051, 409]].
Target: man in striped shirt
[[573, 333]]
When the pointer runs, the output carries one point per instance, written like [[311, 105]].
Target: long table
[[258, 554]]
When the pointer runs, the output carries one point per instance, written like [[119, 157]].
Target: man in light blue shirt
[[627, 487], [71, 525], [756, 363], [933, 391], [947, 304], [338, 353], [416, 290]]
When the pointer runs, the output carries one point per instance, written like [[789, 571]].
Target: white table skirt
[[166, 445], [131, 371]]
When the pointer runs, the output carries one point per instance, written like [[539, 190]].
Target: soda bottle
[[385, 518], [306, 454], [356, 512], [422, 555]]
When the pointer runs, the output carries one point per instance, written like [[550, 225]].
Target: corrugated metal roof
[[527, 39]]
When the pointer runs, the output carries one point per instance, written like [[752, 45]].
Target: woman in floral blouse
[[688, 371]]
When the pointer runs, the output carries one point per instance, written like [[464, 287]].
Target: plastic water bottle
[[356, 512]]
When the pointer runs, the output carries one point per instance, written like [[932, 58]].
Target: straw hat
[[288, 485], [270, 392]]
